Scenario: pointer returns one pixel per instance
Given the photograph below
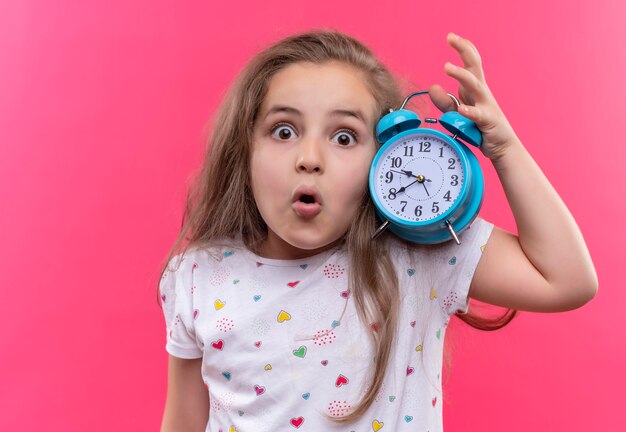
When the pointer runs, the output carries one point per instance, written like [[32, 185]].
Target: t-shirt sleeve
[[177, 302], [457, 264]]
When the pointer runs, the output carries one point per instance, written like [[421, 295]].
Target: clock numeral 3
[[455, 180]]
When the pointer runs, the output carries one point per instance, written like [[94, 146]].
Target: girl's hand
[[477, 102]]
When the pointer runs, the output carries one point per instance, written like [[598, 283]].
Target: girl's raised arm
[[548, 267]]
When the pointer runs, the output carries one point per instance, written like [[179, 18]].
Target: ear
[[441, 99]]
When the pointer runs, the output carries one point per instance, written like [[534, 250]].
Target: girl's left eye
[[344, 136]]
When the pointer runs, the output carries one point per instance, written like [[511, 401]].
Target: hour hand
[[407, 173]]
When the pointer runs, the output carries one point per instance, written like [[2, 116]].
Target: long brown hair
[[220, 203]]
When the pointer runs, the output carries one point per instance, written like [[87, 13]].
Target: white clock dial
[[419, 178]]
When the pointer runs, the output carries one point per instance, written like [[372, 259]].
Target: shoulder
[[204, 253]]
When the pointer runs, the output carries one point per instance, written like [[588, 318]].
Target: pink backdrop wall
[[103, 107]]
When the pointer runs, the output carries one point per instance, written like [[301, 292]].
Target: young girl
[[282, 312]]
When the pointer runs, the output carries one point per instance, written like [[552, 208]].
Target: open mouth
[[307, 199], [307, 203]]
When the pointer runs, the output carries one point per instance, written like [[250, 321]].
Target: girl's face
[[312, 138]]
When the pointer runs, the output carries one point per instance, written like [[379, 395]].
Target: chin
[[312, 242]]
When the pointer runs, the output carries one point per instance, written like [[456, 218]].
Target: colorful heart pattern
[[300, 352], [341, 380], [331, 271], [219, 344], [283, 316], [296, 422]]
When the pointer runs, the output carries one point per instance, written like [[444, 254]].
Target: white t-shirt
[[278, 354]]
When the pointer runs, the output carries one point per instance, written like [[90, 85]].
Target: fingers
[[476, 115], [473, 88], [441, 99], [469, 54]]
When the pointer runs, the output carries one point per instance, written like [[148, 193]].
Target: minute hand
[[403, 188]]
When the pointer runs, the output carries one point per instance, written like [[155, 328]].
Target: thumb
[[441, 99]]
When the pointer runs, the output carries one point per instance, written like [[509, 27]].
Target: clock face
[[419, 177]]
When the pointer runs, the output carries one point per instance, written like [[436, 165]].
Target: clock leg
[[451, 232], [381, 229]]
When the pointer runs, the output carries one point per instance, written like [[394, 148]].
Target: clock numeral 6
[[418, 211]]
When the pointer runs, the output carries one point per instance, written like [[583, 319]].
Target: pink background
[[103, 107]]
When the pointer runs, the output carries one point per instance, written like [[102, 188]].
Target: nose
[[310, 156]]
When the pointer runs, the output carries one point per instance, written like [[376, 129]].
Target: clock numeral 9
[[389, 177], [455, 180]]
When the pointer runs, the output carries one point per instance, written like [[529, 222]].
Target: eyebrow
[[334, 113]]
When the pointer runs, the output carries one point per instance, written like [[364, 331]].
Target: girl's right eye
[[282, 131]]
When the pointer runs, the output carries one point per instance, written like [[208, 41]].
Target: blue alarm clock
[[426, 185]]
